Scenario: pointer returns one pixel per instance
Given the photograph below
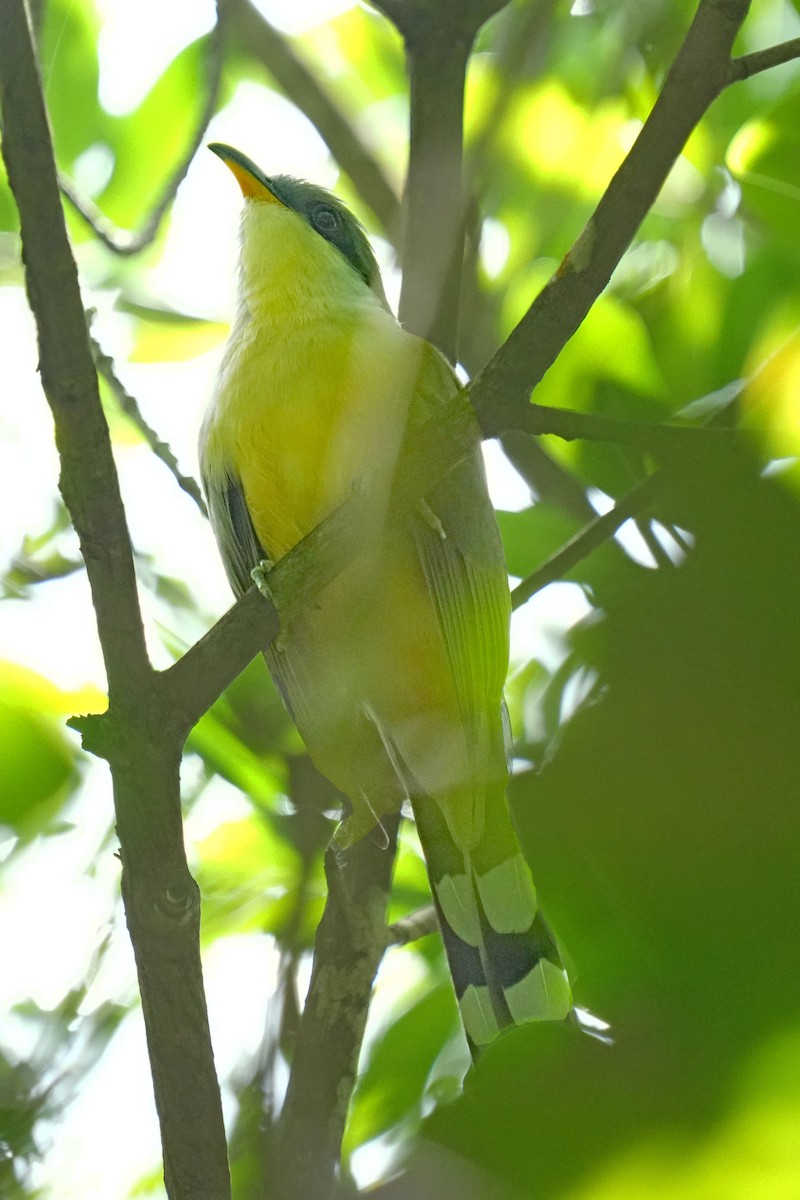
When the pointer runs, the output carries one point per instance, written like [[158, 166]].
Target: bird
[[394, 672]]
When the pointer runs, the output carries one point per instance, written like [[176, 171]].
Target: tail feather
[[502, 956]]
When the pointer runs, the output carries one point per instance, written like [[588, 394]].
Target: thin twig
[[764, 60], [123, 242], [587, 539], [633, 504], [130, 406], [413, 927]]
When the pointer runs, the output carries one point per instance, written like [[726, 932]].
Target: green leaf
[[392, 1087], [532, 535], [663, 836], [765, 157], [149, 142], [70, 74], [38, 762]]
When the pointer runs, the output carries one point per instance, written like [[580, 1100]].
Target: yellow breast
[[306, 409]]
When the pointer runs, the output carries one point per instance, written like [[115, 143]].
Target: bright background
[[709, 295]]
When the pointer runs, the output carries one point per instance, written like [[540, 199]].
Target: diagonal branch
[[700, 72], [594, 534], [130, 406]]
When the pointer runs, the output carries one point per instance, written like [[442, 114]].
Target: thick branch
[[161, 901], [438, 38], [350, 942], [258, 39], [698, 75]]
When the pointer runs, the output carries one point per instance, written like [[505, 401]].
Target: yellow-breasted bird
[[394, 672]]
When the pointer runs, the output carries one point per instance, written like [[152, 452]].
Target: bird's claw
[[260, 577], [430, 518]]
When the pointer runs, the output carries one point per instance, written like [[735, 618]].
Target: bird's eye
[[325, 219]]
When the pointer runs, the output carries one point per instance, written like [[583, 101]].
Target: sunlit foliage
[[656, 723]]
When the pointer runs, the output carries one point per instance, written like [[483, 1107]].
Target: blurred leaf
[[164, 336], [765, 158], [149, 142], [70, 75], [613, 344], [360, 53], [531, 535], [771, 400], [250, 880], [37, 760], [245, 849], [9, 218], [392, 1086], [255, 775], [664, 838]]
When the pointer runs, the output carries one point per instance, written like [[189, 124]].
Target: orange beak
[[252, 181]]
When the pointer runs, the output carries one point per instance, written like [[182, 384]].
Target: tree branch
[[260, 40], [413, 927], [764, 60], [587, 539], [161, 900], [130, 406], [68, 376], [700, 72], [350, 942], [438, 39]]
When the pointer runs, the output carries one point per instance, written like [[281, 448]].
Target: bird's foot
[[260, 577]]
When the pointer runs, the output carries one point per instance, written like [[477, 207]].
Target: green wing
[[504, 961], [461, 556]]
